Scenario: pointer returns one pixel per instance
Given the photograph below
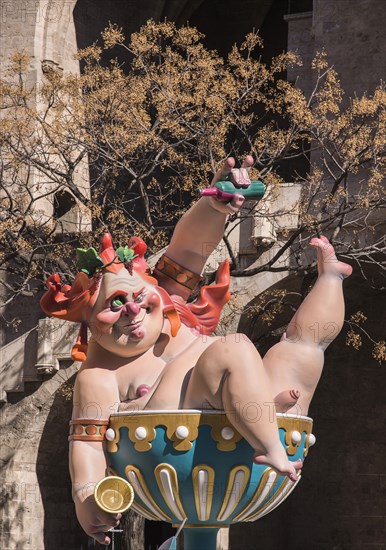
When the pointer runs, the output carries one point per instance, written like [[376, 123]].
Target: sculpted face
[[127, 317]]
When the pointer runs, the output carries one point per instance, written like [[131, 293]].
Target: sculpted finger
[[247, 162], [109, 520], [111, 525], [231, 207], [224, 170], [236, 203]]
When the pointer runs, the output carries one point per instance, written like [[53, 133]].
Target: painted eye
[[139, 299], [117, 302]]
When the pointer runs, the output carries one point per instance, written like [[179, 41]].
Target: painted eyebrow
[[136, 294]]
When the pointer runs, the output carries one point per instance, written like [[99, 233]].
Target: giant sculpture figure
[[150, 350]]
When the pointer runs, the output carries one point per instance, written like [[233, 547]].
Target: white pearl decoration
[[227, 433], [182, 432], [110, 434], [296, 437], [140, 433], [311, 440]]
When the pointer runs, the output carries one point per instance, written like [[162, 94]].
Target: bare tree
[[127, 147]]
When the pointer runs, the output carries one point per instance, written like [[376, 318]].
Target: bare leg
[[297, 360], [230, 375], [320, 317]]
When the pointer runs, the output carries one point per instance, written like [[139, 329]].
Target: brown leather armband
[[175, 278], [85, 429]]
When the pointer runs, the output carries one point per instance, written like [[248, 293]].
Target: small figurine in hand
[[149, 349]]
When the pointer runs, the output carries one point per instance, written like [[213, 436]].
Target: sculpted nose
[[131, 308]]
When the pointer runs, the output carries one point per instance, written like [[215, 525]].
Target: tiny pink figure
[[147, 349]]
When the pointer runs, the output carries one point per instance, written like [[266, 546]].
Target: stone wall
[[43, 29], [353, 35], [37, 511], [46, 32]]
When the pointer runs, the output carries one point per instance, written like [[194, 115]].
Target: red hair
[[74, 303], [204, 313]]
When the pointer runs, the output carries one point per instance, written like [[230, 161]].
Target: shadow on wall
[[61, 528], [17, 540]]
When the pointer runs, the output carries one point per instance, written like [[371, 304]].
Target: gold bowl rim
[[199, 411]]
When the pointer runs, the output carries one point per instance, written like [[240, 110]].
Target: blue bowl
[[194, 465]]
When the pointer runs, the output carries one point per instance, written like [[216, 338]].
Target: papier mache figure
[[149, 349]]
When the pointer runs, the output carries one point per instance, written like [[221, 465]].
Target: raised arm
[[201, 228], [95, 398]]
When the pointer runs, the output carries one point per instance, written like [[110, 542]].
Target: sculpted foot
[[286, 399], [277, 459], [327, 260]]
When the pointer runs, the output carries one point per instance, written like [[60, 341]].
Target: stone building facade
[[338, 506]]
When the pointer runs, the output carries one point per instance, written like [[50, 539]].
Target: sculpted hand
[[94, 521], [239, 177]]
